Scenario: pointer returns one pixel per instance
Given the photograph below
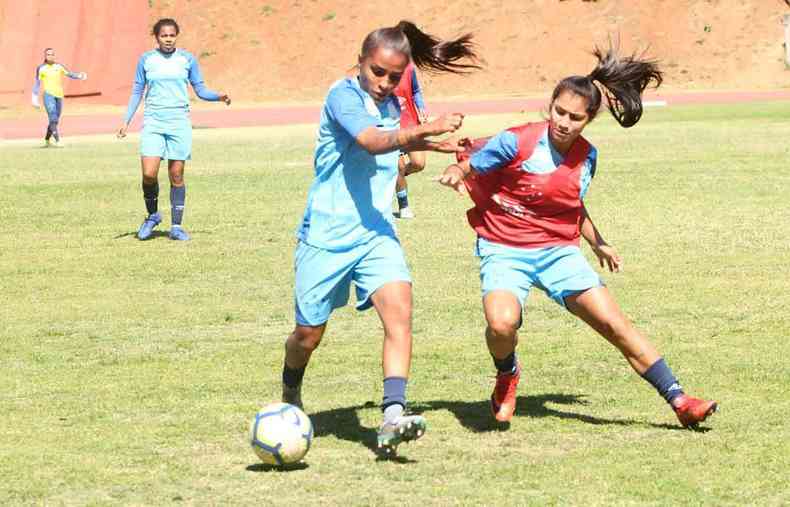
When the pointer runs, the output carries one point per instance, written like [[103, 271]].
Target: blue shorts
[[323, 277], [559, 271], [171, 140]]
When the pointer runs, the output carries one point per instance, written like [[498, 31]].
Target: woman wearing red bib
[[528, 185], [412, 106]]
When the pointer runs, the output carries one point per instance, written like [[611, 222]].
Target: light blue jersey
[[164, 78], [350, 200], [503, 147]]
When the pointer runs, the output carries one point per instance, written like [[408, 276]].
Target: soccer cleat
[[178, 234], [47, 143], [503, 399], [56, 144], [293, 395], [148, 226], [406, 213], [404, 429], [692, 411]]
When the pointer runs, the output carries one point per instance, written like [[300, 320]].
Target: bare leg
[[301, 343], [597, 308], [393, 303], [503, 316]]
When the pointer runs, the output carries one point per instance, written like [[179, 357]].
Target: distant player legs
[[409, 163]]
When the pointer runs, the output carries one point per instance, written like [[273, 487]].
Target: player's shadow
[[476, 416], [154, 235], [344, 424], [157, 234]]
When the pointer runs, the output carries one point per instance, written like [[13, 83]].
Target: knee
[[415, 165], [307, 338], [504, 325], [177, 180]]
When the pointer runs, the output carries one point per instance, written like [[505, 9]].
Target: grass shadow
[[158, 234], [476, 416], [154, 235], [263, 467], [344, 424]]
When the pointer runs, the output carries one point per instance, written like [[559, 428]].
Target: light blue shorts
[[560, 271], [323, 277], [171, 140]]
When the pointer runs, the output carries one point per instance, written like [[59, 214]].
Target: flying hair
[[621, 79], [429, 53]]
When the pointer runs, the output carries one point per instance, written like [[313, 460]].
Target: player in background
[[412, 112], [163, 74], [346, 233], [528, 185], [49, 76]]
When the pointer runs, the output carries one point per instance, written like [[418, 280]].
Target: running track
[[32, 128]]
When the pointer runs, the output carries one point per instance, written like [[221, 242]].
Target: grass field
[[130, 370]]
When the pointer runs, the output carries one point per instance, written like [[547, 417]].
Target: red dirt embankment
[[292, 50]]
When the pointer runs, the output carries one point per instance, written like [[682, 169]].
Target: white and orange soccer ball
[[281, 434]]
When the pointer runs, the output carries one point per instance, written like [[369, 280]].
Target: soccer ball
[[281, 434]]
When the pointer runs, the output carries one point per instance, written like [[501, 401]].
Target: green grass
[[130, 370]]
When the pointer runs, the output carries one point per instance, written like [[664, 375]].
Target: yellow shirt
[[51, 78]]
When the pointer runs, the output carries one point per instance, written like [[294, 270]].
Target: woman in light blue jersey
[[163, 74], [346, 233]]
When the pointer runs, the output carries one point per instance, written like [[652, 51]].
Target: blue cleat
[[148, 226], [178, 234]]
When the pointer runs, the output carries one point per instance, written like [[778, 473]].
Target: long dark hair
[[163, 23], [621, 78], [428, 52]]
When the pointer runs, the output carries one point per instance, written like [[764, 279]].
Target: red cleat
[[692, 411], [503, 399]]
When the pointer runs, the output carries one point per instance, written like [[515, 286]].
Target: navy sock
[[49, 133], [660, 376], [506, 365], [394, 392], [292, 377], [177, 197], [151, 197], [403, 198]]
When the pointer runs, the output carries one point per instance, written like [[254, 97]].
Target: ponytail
[[428, 52], [621, 79]]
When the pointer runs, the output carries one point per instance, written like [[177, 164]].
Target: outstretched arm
[[414, 138], [607, 255], [345, 107], [82, 76], [497, 152], [201, 90]]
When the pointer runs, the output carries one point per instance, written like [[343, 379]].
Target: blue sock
[[394, 397], [403, 198], [292, 377], [151, 197], [660, 376], [506, 365], [177, 197]]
